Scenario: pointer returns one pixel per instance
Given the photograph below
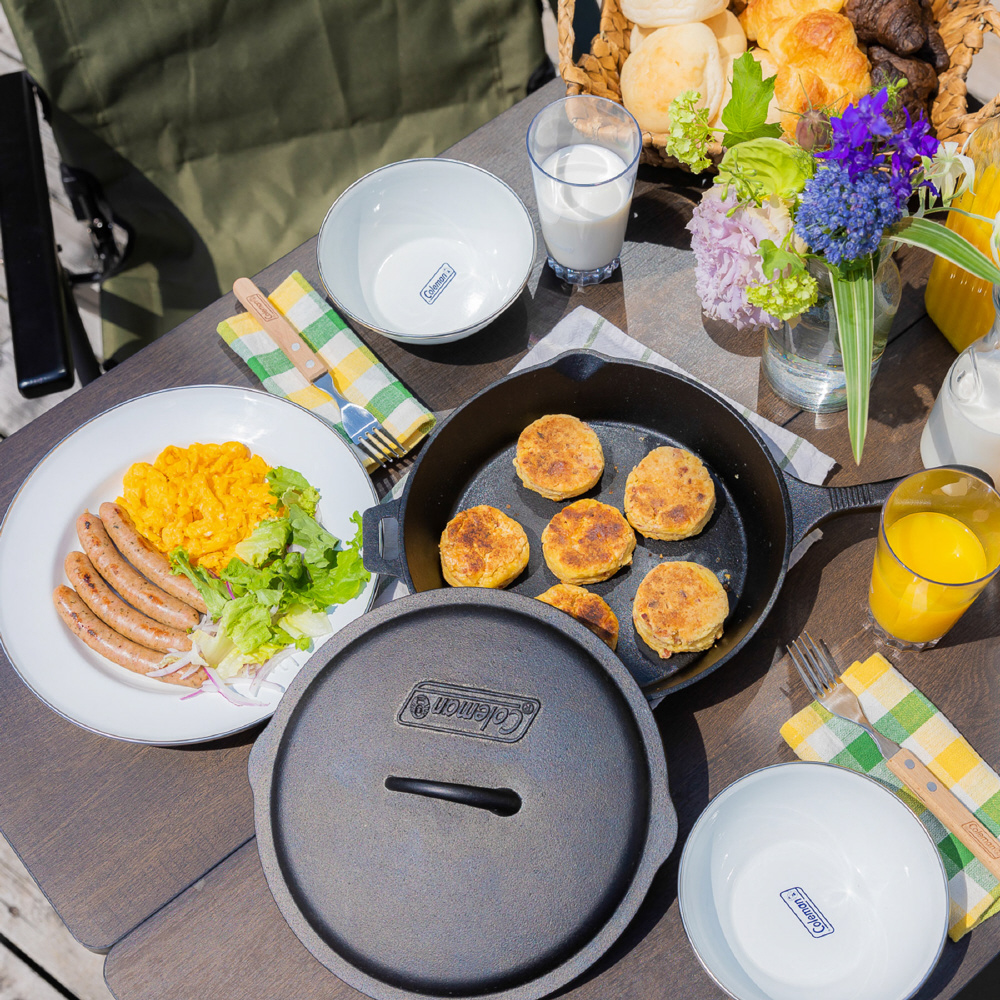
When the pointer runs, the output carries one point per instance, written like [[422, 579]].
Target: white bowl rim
[[814, 763], [449, 335]]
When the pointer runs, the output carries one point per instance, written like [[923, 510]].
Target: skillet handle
[[380, 549], [811, 505]]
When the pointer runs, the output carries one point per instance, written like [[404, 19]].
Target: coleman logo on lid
[[466, 711]]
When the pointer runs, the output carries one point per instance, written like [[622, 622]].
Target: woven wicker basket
[[961, 23]]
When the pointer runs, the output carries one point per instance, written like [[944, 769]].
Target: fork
[[819, 673], [361, 426]]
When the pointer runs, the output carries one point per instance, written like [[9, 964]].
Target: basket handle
[[566, 38]]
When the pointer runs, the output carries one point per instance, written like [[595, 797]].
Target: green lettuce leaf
[[291, 487], [212, 590], [269, 539]]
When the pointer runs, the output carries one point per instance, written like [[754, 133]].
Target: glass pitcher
[[959, 303], [964, 425]]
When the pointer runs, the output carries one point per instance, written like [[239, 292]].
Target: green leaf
[[745, 114], [291, 487], [212, 590], [854, 302], [775, 259], [268, 539], [939, 239]]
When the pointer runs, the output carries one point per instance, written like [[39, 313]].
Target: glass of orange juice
[[938, 547]]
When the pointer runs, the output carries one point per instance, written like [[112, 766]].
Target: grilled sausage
[[147, 560], [131, 584], [112, 610], [109, 644]]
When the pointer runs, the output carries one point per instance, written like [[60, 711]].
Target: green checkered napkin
[[898, 710]]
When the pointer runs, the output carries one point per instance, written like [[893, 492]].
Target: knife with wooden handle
[[940, 801], [312, 366]]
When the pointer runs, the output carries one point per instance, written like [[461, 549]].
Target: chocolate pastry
[[934, 51], [897, 25], [922, 81]]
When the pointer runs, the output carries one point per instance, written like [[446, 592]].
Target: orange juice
[[917, 590], [961, 305]]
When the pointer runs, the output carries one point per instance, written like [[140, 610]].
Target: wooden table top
[[150, 851]]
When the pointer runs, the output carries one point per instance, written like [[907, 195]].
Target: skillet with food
[[760, 512]]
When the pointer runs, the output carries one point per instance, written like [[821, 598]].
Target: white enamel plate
[[807, 880], [84, 470]]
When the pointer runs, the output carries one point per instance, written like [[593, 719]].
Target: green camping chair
[[218, 132]]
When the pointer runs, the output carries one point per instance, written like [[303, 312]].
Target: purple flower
[[844, 219], [726, 260], [864, 142]]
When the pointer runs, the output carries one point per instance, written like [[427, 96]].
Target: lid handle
[[502, 801]]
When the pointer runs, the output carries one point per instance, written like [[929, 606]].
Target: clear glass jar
[[802, 360], [960, 304], [964, 425]]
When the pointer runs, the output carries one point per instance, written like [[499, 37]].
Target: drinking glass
[[584, 154], [938, 547]]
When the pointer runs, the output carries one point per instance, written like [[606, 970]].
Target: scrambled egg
[[205, 498]]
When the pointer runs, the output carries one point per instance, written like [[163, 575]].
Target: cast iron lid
[[463, 794]]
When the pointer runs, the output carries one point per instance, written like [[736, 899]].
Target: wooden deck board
[[31, 925]]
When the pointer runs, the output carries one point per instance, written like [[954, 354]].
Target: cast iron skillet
[[761, 511]]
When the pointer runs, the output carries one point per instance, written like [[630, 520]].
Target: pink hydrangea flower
[[726, 261]]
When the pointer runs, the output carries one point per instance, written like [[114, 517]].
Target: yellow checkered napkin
[[898, 710], [357, 373]]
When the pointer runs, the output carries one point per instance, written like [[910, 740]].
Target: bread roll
[[728, 30], [638, 36], [657, 13], [727, 92], [768, 68], [671, 60]]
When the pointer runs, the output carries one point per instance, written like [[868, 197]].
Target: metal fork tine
[[375, 442], [814, 684], [796, 658], [377, 455], [386, 438], [822, 661]]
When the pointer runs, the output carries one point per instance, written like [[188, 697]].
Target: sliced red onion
[[183, 660], [172, 667], [230, 589], [272, 686], [267, 668], [193, 694], [192, 669], [227, 692]]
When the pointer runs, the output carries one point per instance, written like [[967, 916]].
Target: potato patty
[[559, 457], [588, 609], [586, 542], [669, 495], [482, 547], [679, 607]]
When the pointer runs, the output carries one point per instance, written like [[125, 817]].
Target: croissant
[[761, 18], [819, 66]]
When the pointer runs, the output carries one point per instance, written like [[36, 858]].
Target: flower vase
[[801, 359]]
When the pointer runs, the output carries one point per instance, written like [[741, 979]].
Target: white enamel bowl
[[810, 880], [426, 251]]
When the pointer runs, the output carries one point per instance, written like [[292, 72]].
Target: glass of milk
[[584, 154]]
